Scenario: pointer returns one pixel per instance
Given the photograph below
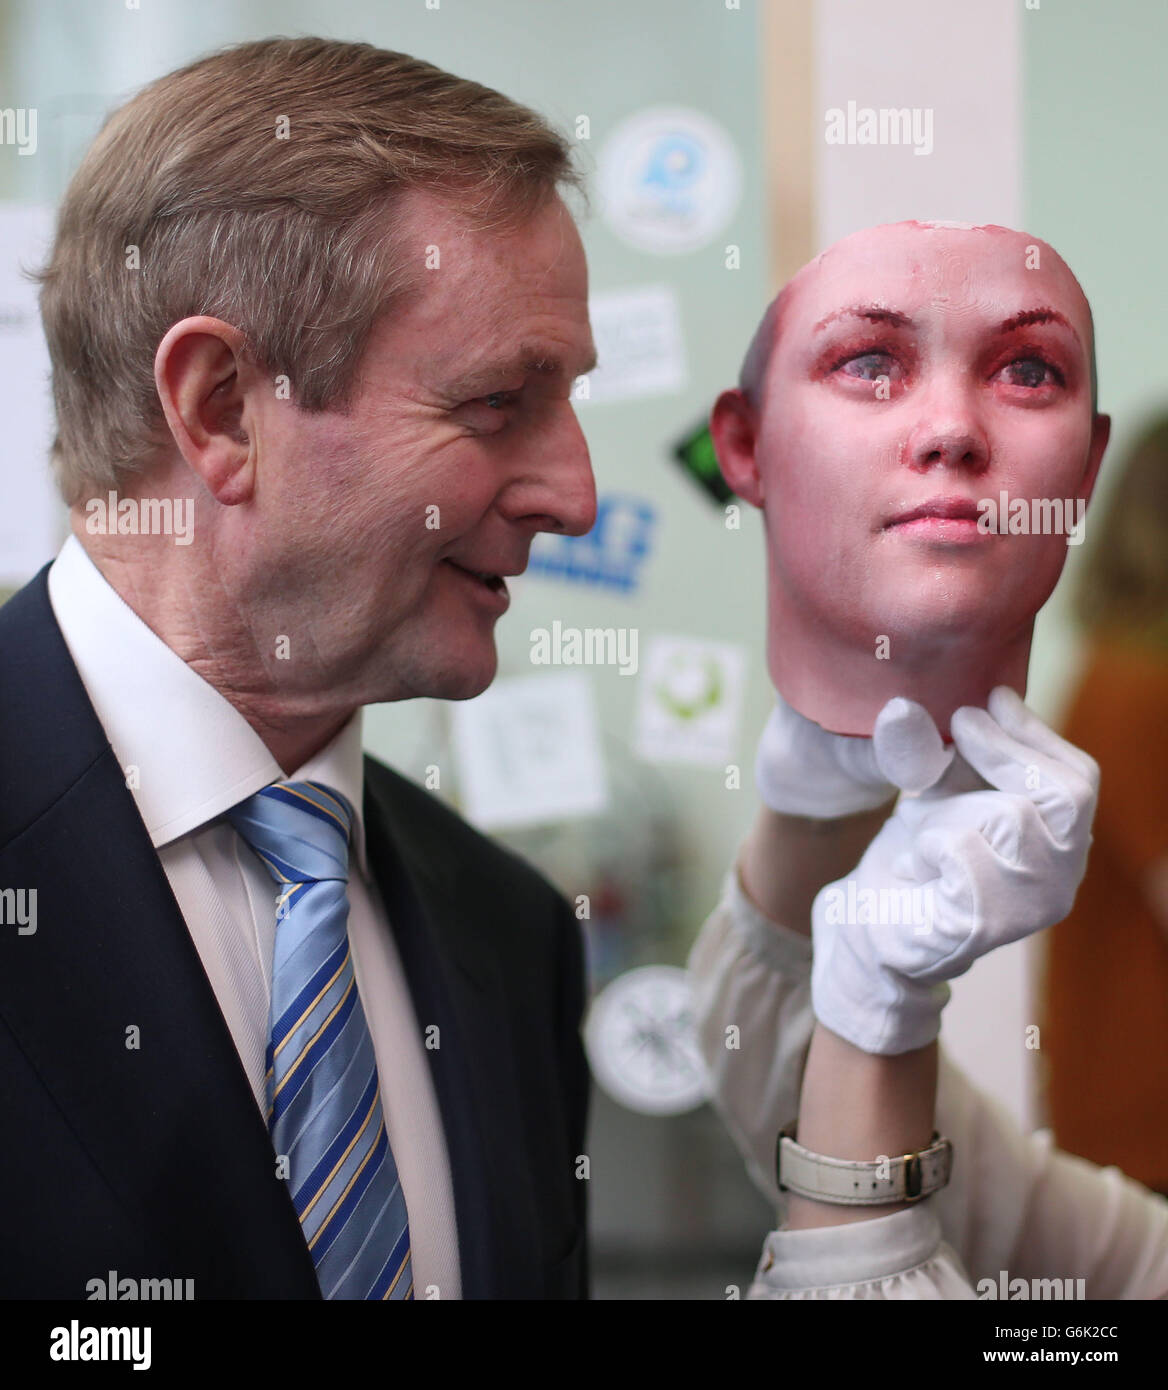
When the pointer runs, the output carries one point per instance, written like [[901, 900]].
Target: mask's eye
[[1031, 373], [868, 366]]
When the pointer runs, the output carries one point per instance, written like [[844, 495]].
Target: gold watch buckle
[[913, 1177]]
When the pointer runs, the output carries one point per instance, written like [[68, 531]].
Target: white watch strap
[[905, 1178]]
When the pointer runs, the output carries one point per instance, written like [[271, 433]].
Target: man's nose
[[558, 490], [949, 433]]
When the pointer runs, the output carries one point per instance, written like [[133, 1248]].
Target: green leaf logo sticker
[[704, 698]]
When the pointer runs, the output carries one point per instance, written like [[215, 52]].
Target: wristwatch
[[841, 1182]]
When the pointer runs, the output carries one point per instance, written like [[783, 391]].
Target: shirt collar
[[188, 753]]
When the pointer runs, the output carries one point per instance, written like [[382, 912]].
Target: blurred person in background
[[1105, 1032]]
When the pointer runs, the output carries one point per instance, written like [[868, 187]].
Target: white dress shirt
[[1015, 1206], [189, 756]]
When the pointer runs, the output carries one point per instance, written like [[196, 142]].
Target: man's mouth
[[494, 582]]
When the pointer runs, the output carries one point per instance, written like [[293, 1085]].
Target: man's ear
[[201, 373], [1100, 434], [734, 429]]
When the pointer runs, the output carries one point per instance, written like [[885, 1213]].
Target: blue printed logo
[[610, 555]]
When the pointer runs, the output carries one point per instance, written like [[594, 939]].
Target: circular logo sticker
[[642, 1042], [669, 180]]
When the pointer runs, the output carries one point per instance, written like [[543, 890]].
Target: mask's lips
[[940, 508]]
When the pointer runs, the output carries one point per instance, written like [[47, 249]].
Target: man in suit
[[332, 324]]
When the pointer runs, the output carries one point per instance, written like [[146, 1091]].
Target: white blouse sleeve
[[1015, 1207]]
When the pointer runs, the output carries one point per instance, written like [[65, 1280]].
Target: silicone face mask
[[919, 431]]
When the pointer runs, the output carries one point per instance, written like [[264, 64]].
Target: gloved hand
[[951, 876], [802, 770]]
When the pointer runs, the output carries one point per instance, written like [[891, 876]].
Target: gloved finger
[[909, 750], [1001, 820], [892, 845], [1059, 792], [1007, 707], [957, 779], [801, 769], [946, 866], [976, 904], [958, 854], [856, 757], [1040, 749]]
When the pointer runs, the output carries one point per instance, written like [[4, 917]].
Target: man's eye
[[1031, 373], [499, 400], [867, 366]]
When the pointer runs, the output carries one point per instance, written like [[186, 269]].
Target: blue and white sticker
[[670, 180], [610, 556]]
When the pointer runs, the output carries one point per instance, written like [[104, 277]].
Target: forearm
[[853, 1105], [858, 1106], [786, 860]]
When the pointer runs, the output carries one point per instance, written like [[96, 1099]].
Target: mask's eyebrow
[[1045, 314], [527, 361], [874, 313]]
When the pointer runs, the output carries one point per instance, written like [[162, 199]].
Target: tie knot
[[300, 830]]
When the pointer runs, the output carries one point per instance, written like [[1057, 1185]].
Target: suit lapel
[[454, 981], [109, 1000]]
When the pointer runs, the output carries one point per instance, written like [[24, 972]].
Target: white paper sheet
[[528, 751], [639, 344]]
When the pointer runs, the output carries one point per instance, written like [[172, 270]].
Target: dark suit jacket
[[155, 1161]]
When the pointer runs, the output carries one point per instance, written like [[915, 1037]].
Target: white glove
[[802, 770], [958, 875]]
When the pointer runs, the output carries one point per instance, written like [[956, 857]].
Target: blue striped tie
[[324, 1101]]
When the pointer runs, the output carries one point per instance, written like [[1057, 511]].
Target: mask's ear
[[734, 426], [1100, 434]]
